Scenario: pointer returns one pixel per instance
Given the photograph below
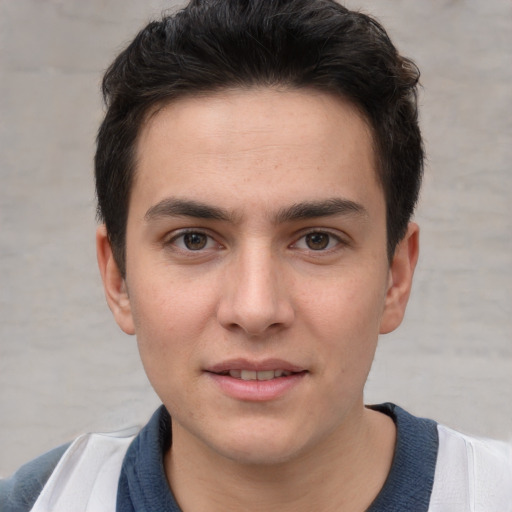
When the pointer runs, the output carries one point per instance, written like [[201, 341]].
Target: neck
[[344, 472]]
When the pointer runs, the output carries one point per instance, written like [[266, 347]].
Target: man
[[256, 172]]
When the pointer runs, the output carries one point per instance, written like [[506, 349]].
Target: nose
[[255, 298]]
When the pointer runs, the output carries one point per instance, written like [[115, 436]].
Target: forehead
[[274, 143]]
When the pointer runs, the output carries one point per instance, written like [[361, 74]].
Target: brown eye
[[317, 241], [195, 241]]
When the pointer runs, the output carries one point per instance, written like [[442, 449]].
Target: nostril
[[255, 305]]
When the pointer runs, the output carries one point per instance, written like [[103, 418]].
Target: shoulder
[[19, 492], [445, 470], [473, 472], [87, 473], [88, 467]]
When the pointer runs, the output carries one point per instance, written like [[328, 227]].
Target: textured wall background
[[65, 367]]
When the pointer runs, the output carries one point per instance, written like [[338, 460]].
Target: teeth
[[265, 375], [248, 375], [254, 375]]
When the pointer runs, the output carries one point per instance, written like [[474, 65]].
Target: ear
[[113, 283], [401, 272]]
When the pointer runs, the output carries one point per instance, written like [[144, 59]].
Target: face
[[257, 280]]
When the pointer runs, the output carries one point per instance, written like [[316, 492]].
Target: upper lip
[[258, 366]]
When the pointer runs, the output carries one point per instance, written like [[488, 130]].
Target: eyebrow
[[174, 207], [325, 208]]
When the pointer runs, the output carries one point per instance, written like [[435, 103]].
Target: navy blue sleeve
[[19, 492]]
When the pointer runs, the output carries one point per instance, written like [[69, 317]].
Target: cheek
[[165, 340], [170, 320], [346, 316], [351, 303]]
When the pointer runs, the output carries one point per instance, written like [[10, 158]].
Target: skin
[[259, 282]]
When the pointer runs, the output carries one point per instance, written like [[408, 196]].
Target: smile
[[256, 381], [257, 375]]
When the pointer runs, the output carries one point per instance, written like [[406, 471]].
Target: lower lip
[[256, 390]]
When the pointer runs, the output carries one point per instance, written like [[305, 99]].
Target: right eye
[[193, 241]]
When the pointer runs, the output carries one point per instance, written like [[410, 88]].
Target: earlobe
[[114, 284], [400, 279]]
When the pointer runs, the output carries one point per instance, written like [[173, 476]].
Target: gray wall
[[66, 368]]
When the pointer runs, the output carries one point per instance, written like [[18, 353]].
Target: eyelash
[[331, 238], [338, 241], [182, 234]]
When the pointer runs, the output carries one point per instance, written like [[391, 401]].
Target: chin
[[254, 445], [259, 454]]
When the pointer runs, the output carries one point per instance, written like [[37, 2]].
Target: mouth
[[256, 381], [257, 375]]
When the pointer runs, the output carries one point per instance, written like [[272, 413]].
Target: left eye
[[317, 241], [193, 241]]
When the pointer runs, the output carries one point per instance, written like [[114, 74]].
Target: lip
[[258, 366], [255, 390]]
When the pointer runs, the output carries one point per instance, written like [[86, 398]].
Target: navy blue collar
[[143, 485], [409, 484]]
